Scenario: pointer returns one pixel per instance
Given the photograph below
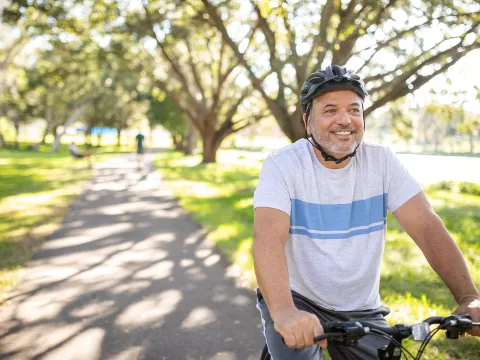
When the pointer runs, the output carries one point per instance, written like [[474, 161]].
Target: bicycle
[[349, 332]]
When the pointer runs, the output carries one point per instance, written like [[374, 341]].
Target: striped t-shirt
[[337, 219]]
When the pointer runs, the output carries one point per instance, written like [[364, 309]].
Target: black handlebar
[[349, 332]]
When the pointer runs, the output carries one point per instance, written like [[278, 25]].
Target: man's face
[[337, 122]]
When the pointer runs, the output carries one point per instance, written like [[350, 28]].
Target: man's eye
[[330, 111], [355, 110]]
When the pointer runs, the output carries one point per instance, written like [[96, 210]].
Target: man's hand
[[298, 328], [471, 306]]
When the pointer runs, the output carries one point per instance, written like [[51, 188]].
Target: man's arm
[[297, 327], [426, 228]]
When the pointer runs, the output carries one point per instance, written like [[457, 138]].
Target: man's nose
[[343, 118]]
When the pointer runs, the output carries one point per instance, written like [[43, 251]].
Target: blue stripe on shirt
[[339, 217]]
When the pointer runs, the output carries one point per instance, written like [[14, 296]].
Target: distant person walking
[[140, 148], [140, 138]]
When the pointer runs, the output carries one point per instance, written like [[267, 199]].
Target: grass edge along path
[[219, 197], [36, 191]]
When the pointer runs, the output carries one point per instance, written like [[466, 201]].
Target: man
[[320, 226], [139, 139], [76, 153]]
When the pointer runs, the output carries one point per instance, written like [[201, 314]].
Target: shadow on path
[[129, 276]]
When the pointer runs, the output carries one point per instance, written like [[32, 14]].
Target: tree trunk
[[210, 147], [2, 141], [17, 130], [472, 143], [88, 137], [45, 133], [75, 115], [192, 139], [119, 137]]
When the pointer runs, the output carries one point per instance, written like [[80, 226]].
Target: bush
[[461, 187]]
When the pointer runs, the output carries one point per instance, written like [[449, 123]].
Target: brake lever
[[456, 325], [346, 332]]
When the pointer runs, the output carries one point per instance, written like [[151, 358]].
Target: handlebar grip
[[320, 338]]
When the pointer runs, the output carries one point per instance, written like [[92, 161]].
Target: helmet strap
[[328, 157]]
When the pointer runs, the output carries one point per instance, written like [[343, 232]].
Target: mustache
[[344, 128]]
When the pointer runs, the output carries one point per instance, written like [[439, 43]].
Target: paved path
[[128, 276]]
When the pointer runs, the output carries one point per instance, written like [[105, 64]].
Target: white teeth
[[343, 133]]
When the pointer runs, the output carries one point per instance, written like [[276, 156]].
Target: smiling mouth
[[343, 132]]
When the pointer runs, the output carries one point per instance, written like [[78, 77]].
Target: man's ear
[[306, 123]]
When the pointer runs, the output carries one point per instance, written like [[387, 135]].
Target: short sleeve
[[401, 185], [272, 190]]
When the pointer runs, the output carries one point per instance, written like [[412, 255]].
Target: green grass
[[219, 196], [36, 189]]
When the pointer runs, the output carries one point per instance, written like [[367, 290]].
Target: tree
[[401, 122], [72, 65], [163, 111], [191, 63], [397, 46], [471, 128]]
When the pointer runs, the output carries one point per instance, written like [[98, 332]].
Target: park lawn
[[219, 196], [36, 189]]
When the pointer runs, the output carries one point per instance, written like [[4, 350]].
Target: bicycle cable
[[384, 335], [426, 341]]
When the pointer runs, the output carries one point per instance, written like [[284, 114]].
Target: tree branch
[[193, 67], [173, 64], [217, 21], [401, 88]]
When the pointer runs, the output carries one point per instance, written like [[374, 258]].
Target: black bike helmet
[[333, 78]]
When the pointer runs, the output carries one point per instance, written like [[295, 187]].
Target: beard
[[333, 146]]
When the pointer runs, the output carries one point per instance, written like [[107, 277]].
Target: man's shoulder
[[374, 149], [296, 149]]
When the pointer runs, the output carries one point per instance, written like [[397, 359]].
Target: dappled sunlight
[[197, 189], [137, 256], [120, 209], [123, 281], [49, 309], [67, 241], [203, 253], [105, 230], [211, 260], [150, 310], [194, 237], [225, 231], [106, 272], [244, 203], [158, 271], [94, 308], [154, 240], [45, 273], [410, 310], [199, 317], [36, 339], [241, 300], [167, 213], [130, 287], [86, 345], [186, 263], [195, 273], [133, 352]]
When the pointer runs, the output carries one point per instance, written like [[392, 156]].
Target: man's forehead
[[338, 97]]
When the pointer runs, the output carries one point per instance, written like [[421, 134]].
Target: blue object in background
[[97, 130]]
